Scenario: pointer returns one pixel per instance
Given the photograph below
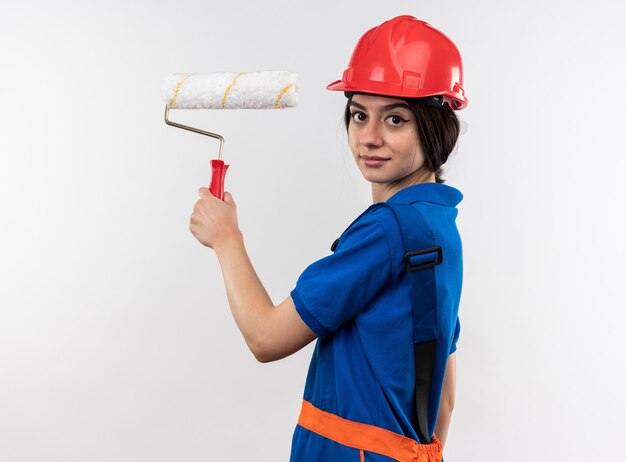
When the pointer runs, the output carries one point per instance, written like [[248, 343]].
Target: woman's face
[[384, 140]]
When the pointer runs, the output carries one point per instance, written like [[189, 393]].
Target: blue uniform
[[358, 301]]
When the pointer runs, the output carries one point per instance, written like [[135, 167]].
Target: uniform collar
[[439, 193]]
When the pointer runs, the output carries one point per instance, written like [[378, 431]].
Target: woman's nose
[[371, 134]]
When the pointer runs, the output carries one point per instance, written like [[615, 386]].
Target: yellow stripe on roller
[[178, 85], [280, 95], [228, 88]]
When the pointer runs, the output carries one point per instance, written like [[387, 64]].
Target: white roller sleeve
[[233, 90]]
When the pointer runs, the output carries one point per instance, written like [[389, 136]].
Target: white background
[[116, 340]]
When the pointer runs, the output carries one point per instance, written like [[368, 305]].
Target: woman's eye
[[358, 116], [396, 120]]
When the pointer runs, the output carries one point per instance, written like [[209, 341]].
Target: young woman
[[384, 305]]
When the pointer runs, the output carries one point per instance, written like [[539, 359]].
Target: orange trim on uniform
[[368, 437]]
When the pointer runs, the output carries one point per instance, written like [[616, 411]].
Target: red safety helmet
[[406, 58]]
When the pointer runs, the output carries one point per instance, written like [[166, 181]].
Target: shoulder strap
[[422, 254]]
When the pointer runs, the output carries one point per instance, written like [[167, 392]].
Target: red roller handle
[[218, 172]]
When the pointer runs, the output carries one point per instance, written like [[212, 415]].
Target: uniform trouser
[[368, 438]]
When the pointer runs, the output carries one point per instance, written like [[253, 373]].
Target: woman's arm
[[270, 332], [446, 404]]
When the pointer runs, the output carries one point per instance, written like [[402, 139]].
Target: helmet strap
[[432, 101]]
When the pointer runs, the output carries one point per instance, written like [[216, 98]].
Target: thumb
[[228, 198]]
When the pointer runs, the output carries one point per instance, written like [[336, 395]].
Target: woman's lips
[[373, 161]]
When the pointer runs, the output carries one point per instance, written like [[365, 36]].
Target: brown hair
[[438, 129]]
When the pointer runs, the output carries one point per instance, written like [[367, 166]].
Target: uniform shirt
[[357, 301]]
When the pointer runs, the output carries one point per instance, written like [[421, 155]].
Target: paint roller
[[243, 90]]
